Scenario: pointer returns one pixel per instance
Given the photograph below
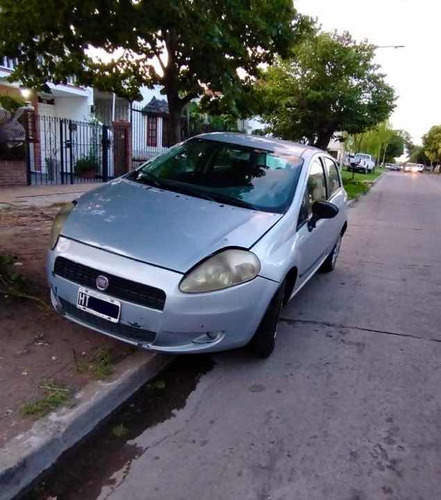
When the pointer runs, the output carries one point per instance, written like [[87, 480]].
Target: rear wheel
[[331, 260], [264, 340]]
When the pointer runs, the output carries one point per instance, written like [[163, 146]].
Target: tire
[[264, 340], [331, 260], [365, 171]]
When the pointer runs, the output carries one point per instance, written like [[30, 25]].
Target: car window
[[332, 176], [249, 177], [315, 190]]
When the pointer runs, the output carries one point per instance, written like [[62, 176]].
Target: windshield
[[227, 173]]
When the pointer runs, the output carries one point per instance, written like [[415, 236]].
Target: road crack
[[359, 328]]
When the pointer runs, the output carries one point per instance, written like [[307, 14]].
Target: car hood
[[162, 228]]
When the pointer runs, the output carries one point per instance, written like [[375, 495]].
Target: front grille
[[118, 329], [119, 288]]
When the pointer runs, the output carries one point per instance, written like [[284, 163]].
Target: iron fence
[[69, 152], [149, 135]]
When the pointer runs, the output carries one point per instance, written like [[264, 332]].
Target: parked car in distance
[[349, 159], [198, 249], [393, 166], [362, 162], [413, 167]]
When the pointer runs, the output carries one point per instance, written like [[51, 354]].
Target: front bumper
[[189, 323]]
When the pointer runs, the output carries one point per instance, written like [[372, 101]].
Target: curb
[[26, 456], [354, 200]]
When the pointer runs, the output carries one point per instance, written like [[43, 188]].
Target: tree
[[432, 144], [382, 142], [419, 156], [187, 46], [408, 142], [329, 84], [394, 148]]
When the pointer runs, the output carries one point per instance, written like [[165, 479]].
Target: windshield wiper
[[191, 192], [147, 178], [228, 200], [215, 197]]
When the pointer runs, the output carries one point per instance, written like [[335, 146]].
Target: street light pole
[[389, 46]]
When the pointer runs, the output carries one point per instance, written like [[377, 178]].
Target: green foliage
[[189, 47], [10, 280], [100, 366], [382, 142], [200, 121], [56, 396], [87, 164], [418, 155], [359, 184], [11, 103], [395, 148], [120, 431], [408, 142], [329, 84], [432, 144]]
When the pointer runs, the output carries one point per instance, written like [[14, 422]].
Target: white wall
[[74, 108]]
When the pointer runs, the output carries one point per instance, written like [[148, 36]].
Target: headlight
[[59, 221], [225, 269]]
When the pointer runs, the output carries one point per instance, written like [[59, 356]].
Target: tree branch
[[161, 63], [189, 97]]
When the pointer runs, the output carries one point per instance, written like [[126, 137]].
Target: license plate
[[99, 304]]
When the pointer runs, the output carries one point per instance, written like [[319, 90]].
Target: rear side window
[[333, 176]]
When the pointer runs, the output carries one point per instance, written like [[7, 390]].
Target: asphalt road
[[349, 405]]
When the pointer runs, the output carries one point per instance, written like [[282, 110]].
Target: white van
[[362, 162]]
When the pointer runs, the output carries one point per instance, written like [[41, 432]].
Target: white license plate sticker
[[99, 304]]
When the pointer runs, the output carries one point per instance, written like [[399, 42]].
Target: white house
[[68, 127]]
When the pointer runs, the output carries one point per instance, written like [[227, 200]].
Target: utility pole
[[389, 46]]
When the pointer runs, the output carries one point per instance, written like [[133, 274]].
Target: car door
[[313, 246]]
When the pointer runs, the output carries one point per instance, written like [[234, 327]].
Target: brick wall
[[13, 173]]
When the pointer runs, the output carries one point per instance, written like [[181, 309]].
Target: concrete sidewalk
[[42, 196], [24, 458]]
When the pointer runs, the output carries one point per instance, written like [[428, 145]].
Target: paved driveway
[[349, 406]]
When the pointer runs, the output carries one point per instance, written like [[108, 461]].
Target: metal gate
[[68, 152]]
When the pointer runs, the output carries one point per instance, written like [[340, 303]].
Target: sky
[[415, 70]]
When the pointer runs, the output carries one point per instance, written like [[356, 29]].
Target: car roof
[[267, 143]]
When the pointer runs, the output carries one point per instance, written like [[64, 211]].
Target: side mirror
[[322, 210]]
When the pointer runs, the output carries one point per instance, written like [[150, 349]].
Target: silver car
[[199, 248]]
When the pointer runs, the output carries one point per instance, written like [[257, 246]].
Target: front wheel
[[331, 260], [264, 340]]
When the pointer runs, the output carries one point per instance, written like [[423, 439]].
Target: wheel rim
[[336, 251]]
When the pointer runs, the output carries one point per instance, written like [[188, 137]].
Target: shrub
[[87, 164]]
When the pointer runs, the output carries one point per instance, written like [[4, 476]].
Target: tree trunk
[[323, 140], [175, 126], [384, 154]]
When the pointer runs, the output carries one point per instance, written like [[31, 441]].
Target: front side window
[[333, 176], [315, 190], [228, 173]]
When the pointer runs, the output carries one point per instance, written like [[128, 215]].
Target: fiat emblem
[[102, 282]]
